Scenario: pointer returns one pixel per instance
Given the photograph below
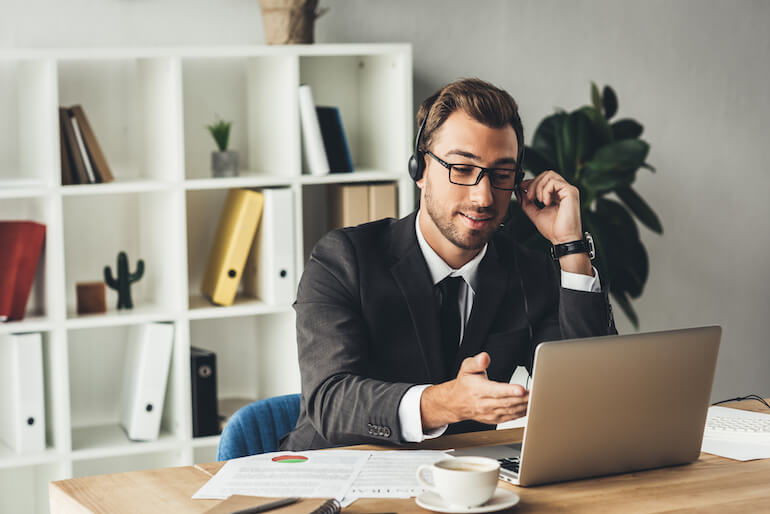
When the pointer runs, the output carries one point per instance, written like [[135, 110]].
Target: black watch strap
[[585, 245]]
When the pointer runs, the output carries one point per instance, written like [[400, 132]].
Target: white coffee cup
[[461, 481]]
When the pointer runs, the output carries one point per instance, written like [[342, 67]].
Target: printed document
[[342, 474]]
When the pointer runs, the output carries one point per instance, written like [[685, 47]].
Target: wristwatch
[[585, 245]]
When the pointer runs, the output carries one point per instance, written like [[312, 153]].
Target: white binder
[[312, 141], [22, 397], [147, 358], [269, 272]]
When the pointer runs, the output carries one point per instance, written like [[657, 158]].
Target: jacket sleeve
[[571, 314], [343, 404]]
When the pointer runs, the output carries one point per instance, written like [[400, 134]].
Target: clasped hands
[[471, 395]]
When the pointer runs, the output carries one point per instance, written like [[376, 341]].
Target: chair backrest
[[256, 428]]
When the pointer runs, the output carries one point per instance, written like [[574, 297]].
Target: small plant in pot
[[224, 162]]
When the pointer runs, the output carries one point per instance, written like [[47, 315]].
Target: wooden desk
[[711, 484]]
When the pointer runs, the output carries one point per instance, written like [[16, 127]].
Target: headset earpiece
[[417, 160]]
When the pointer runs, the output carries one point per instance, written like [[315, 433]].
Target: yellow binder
[[235, 233]]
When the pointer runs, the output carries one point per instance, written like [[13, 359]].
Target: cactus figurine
[[124, 280]]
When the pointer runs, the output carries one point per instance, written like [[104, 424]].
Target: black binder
[[203, 381]]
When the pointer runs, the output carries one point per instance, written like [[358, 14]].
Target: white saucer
[[502, 499]]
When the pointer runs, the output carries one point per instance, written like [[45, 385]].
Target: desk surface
[[711, 484]]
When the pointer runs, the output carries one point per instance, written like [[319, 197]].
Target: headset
[[416, 168]]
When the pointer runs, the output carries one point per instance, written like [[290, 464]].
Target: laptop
[[613, 404]]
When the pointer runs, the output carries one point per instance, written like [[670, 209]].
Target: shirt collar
[[439, 269]]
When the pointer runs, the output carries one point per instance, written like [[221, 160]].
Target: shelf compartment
[[373, 94], [96, 367], [259, 96], [124, 463], [145, 226], [40, 296], [25, 489], [29, 149], [134, 108], [256, 356]]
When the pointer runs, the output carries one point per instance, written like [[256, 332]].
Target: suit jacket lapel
[[413, 278], [493, 281]]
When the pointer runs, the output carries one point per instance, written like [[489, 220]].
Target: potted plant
[[601, 158], [224, 163]]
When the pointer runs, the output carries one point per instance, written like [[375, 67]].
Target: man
[[411, 328]]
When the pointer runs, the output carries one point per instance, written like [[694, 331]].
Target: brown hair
[[481, 100]]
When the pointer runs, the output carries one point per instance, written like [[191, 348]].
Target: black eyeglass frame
[[518, 175]]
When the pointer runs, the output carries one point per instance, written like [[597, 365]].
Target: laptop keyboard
[[726, 425], [510, 463]]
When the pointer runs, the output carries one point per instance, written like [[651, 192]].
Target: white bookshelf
[[149, 108]]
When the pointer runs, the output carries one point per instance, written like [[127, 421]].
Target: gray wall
[[693, 72]]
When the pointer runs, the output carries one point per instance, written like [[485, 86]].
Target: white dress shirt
[[409, 416]]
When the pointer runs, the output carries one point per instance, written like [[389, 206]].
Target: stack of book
[[21, 243], [82, 159], [254, 242]]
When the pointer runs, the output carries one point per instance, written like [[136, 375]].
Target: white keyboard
[[720, 426]]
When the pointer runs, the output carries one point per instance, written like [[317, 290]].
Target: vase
[[289, 22], [224, 164]]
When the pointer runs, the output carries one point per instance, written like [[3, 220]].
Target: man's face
[[466, 216]]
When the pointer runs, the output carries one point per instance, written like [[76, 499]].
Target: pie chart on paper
[[290, 459]]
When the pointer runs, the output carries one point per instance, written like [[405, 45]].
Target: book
[[22, 244], [81, 148], [234, 236], [77, 165], [67, 177], [269, 273], [335, 142], [203, 384], [22, 396], [147, 359], [312, 141], [101, 169]]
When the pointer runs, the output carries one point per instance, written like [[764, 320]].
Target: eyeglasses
[[470, 175]]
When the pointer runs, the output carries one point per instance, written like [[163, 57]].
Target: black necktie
[[449, 317]]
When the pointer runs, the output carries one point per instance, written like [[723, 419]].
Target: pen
[[267, 506]]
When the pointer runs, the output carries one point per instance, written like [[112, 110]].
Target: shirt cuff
[[580, 282], [409, 417]]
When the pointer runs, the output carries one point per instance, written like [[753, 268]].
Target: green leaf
[[596, 98], [601, 131], [626, 129], [544, 138], [625, 155], [603, 181], [535, 161], [573, 141], [624, 303], [648, 166], [618, 220], [610, 102], [639, 207]]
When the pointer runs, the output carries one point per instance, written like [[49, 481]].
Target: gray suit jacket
[[368, 329]]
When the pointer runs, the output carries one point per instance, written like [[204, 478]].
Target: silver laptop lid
[[614, 404]]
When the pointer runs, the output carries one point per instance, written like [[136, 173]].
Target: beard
[[459, 236]]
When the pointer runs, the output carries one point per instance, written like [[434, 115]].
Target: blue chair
[[256, 428]]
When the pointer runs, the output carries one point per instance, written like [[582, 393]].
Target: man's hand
[[559, 220], [472, 396]]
